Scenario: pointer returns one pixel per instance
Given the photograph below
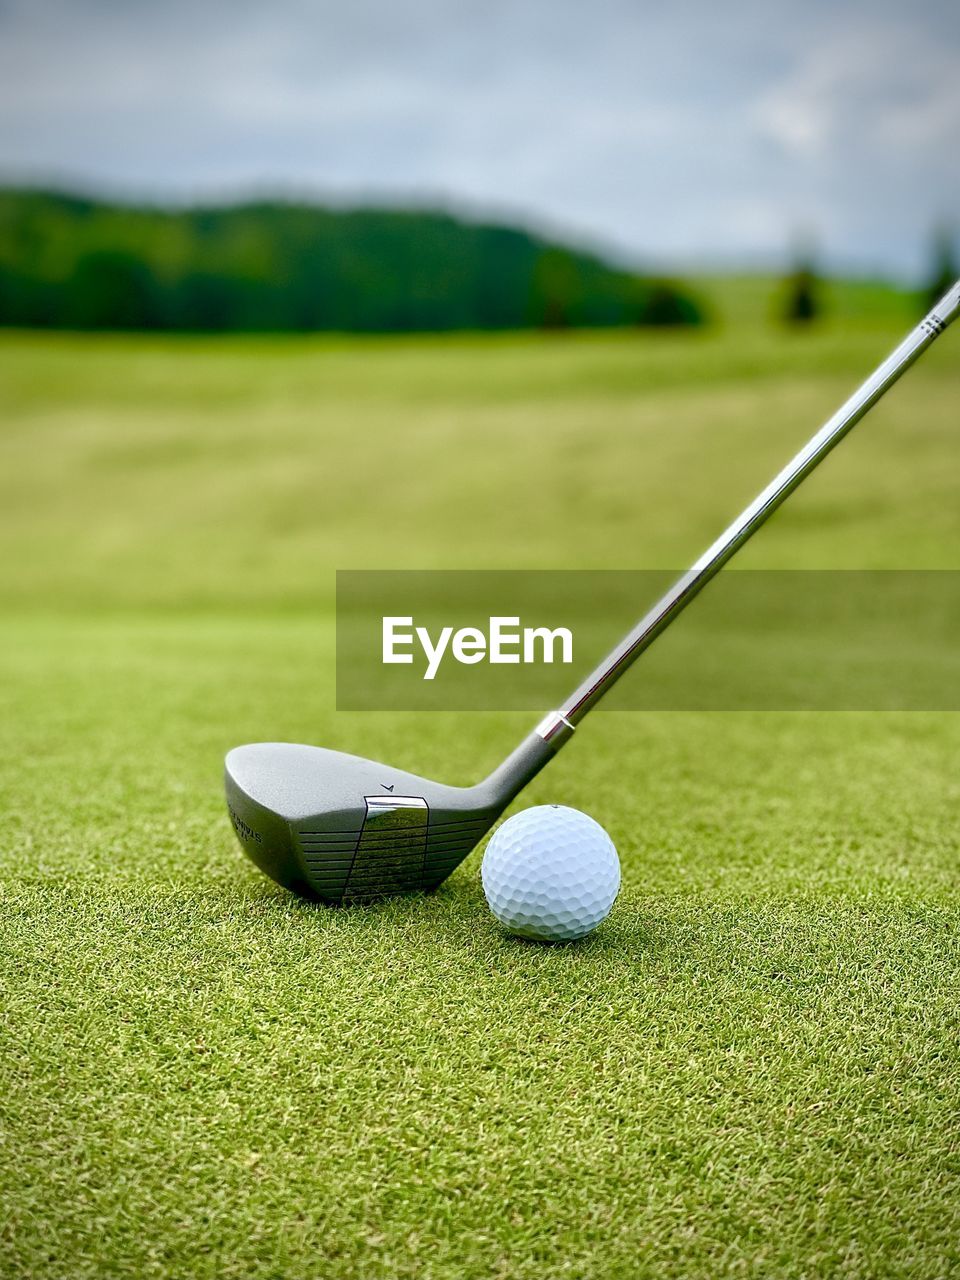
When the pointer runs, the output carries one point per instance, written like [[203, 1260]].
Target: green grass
[[752, 1069]]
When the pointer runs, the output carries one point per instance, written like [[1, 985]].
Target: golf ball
[[550, 873]]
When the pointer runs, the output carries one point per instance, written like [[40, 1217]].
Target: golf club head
[[341, 828]]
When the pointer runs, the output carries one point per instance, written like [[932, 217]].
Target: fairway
[[752, 1068]]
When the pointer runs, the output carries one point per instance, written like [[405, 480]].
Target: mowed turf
[[752, 1069]]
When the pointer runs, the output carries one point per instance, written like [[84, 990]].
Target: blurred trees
[[801, 293], [945, 269], [76, 263], [110, 289]]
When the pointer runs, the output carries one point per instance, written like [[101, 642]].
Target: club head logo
[[241, 828]]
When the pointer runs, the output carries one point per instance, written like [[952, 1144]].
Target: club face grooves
[[374, 864]]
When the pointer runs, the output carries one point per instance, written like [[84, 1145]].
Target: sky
[[668, 134]]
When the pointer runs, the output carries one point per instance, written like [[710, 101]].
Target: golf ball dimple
[[550, 873]]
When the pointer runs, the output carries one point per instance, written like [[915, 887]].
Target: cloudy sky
[[670, 132]]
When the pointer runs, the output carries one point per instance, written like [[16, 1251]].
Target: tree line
[[77, 263]]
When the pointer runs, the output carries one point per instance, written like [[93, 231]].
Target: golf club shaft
[[557, 727]]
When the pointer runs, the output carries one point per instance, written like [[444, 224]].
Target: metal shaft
[[558, 726]]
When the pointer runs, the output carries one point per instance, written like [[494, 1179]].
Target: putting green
[[750, 1070]]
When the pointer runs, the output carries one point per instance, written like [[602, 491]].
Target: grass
[[750, 1070]]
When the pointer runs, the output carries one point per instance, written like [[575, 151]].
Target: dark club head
[[341, 828]]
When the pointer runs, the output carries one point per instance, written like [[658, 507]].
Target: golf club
[[341, 828]]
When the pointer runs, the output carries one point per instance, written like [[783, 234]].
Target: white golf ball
[[550, 873]]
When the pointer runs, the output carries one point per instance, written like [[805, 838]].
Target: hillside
[[76, 263]]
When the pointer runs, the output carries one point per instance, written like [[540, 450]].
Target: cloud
[[690, 129], [898, 89]]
